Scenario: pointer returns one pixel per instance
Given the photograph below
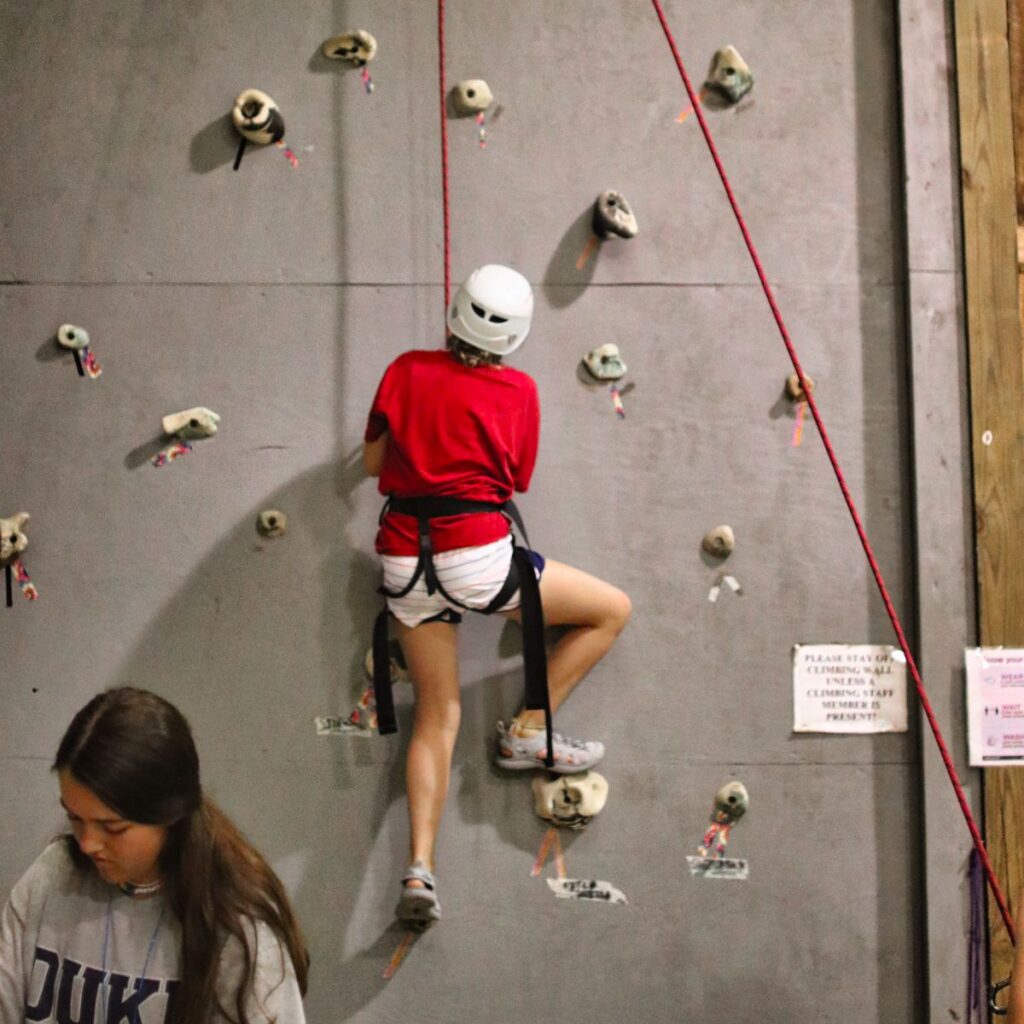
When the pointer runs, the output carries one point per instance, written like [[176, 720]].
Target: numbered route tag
[[335, 726], [719, 867], [586, 889]]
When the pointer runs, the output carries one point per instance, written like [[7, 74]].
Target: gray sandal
[[522, 753], [418, 906]]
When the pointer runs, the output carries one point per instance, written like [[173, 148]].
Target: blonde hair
[[470, 355]]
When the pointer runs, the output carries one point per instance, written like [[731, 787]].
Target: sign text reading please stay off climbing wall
[[849, 688]]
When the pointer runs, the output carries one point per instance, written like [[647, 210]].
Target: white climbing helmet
[[492, 309]]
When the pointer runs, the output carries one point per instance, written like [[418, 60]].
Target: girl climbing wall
[[451, 434]]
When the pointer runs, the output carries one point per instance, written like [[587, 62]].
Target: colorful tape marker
[[685, 113], [361, 721], [28, 588], [798, 427], [92, 366], [405, 943], [723, 580], [616, 393], [171, 452], [588, 250], [289, 153]]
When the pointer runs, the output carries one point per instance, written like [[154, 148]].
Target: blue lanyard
[[106, 946]]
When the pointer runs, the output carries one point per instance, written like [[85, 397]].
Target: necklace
[[106, 946], [145, 889]]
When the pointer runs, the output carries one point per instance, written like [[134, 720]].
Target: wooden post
[[1015, 17], [997, 393]]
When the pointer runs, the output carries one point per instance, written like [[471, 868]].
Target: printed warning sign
[[849, 688]]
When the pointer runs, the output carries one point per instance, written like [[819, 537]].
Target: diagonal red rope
[[922, 694], [445, 189]]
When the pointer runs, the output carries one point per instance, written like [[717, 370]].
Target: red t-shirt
[[454, 431]]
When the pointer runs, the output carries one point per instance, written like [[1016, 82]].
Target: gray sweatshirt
[[75, 950]]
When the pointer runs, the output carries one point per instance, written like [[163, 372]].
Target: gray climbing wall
[[277, 296]]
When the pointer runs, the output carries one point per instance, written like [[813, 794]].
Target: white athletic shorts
[[473, 576]]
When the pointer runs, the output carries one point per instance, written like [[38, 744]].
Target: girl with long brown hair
[[155, 909]]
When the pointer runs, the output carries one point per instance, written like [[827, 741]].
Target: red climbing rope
[[922, 694], [444, 162]]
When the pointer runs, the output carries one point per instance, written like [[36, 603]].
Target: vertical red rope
[[444, 162], [922, 694]]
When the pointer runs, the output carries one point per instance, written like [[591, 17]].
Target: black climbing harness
[[521, 577]]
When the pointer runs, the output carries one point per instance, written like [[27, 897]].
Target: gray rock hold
[[613, 216], [729, 76], [732, 801], [720, 542]]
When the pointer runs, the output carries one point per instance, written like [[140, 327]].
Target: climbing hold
[[613, 216], [72, 337], [472, 96], [357, 48], [12, 537], [272, 523], [794, 391], [731, 803], [605, 363], [729, 75], [257, 117], [197, 422], [570, 801], [720, 542], [399, 673]]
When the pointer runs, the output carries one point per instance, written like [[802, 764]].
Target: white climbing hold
[[257, 117], [472, 96], [272, 523], [12, 536], [570, 801], [605, 362], [192, 423], [72, 337], [357, 48]]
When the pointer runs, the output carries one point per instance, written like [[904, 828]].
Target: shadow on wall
[[564, 267], [265, 635], [213, 146], [885, 371], [261, 638]]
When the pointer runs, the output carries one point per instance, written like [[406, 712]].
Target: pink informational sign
[[995, 705]]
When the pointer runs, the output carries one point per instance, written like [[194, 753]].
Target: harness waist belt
[[435, 507]]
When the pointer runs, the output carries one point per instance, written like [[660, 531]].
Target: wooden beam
[[997, 392], [1015, 17]]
